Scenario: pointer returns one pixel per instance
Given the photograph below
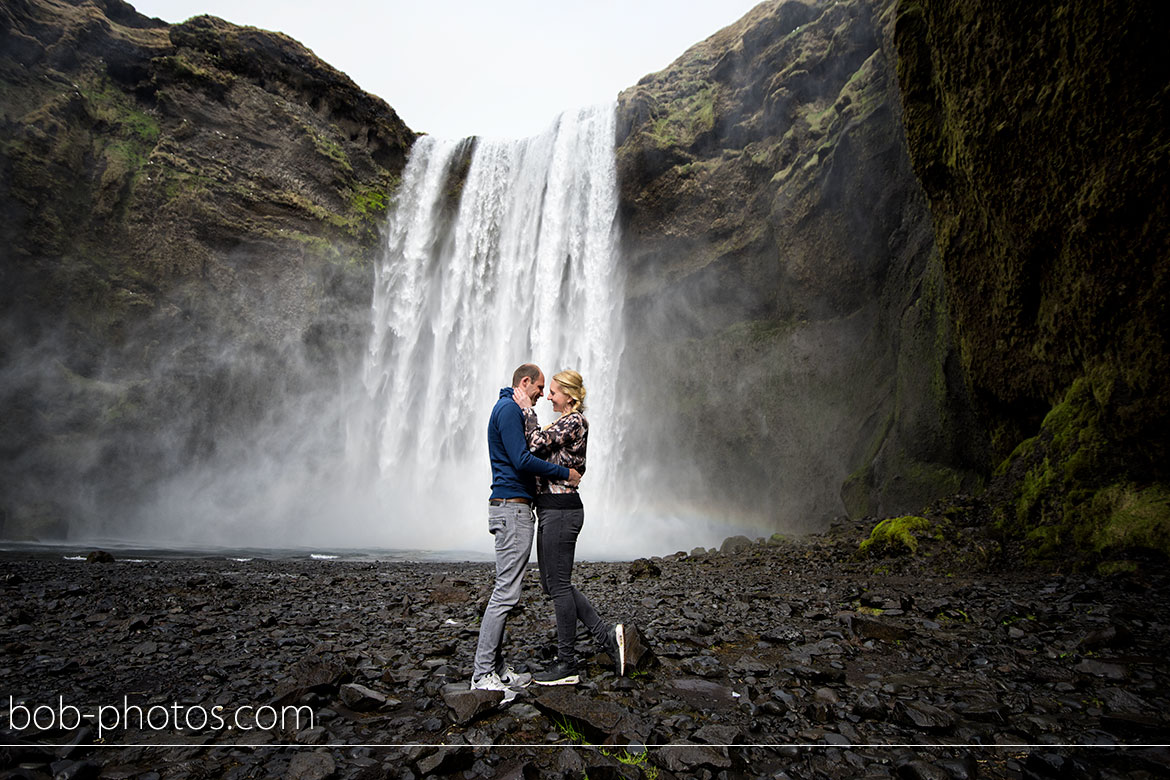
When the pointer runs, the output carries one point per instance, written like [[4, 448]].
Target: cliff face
[[188, 214], [1040, 134], [786, 310], [878, 251]]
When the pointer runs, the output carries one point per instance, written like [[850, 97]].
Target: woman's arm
[[562, 434]]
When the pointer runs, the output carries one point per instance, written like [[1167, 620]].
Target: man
[[511, 522]]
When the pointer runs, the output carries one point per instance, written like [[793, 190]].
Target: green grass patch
[[638, 760], [569, 729]]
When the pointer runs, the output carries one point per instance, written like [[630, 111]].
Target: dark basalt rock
[[963, 681], [735, 544], [446, 761], [1044, 245], [871, 628], [644, 567], [169, 190], [639, 657], [311, 766], [924, 716], [597, 720], [467, 704], [768, 205], [362, 699], [312, 674]]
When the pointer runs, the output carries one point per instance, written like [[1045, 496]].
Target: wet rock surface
[[791, 659]]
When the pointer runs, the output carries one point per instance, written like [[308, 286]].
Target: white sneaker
[[514, 679], [488, 682]]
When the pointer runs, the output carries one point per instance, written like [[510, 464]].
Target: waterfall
[[525, 268]]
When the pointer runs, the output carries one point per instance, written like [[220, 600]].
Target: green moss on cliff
[[1134, 518], [685, 118], [369, 201], [1072, 494], [899, 536], [169, 190], [1040, 133], [195, 69]]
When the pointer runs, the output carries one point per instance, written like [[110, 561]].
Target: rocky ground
[[791, 659]]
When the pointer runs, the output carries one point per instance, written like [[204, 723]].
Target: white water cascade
[[525, 269]]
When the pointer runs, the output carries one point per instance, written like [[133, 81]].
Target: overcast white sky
[[506, 68]]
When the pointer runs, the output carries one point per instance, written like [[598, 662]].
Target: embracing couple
[[538, 469]]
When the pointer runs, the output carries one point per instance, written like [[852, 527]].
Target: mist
[[735, 312], [213, 424]]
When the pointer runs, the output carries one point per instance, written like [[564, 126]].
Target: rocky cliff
[[820, 297], [878, 252], [188, 214], [1041, 136], [787, 314]]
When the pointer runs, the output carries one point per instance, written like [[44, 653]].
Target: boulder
[[467, 704], [359, 698], [310, 766], [735, 544], [596, 719]]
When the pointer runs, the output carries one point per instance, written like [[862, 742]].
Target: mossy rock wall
[[1041, 136], [786, 334], [188, 217]]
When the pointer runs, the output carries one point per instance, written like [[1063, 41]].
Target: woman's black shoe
[[558, 674]]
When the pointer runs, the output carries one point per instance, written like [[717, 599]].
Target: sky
[[496, 68]]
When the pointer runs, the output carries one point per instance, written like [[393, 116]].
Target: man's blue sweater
[[513, 467]]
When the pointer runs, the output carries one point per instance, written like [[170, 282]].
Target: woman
[[560, 514]]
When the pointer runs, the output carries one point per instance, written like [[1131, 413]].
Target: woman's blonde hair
[[574, 387]]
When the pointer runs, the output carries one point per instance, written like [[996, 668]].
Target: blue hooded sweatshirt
[[513, 467]]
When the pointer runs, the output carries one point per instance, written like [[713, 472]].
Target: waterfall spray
[[524, 270]]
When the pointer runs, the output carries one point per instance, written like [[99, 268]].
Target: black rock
[[644, 567], [447, 760], [715, 734], [467, 704], [735, 544], [921, 770], [311, 766], [359, 698], [869, 706], [965, 768], [596, 719], [703, 666], [683, 758], [923, 716], [638, 655], [312, 674], [75, 770], [873, 628]]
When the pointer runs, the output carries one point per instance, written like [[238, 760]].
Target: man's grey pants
[[513, 526]]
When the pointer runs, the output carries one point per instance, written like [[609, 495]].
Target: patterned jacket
[[563, 443]]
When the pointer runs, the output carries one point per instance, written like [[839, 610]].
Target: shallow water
[[130, 552]]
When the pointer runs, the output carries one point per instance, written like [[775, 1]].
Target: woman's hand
[[521, 398]]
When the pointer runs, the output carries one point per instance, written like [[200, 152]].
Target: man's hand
[[521, 398], [574, 478]]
